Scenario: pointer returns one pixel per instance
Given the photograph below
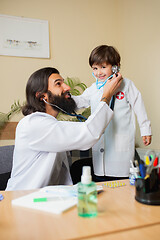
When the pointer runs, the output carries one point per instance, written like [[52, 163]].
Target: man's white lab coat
[[41, 143]]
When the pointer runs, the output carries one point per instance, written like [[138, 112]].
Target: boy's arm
[[137, 104], [83, 100]]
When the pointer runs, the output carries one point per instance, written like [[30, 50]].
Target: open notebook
[[52, 199]]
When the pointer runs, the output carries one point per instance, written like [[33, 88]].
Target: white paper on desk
[[65, 198]]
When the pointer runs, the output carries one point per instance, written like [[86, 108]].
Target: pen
[[147, 160], [134, 170], [142, 168], [158, 165], [155, 163], [1, 197], [48, 199]]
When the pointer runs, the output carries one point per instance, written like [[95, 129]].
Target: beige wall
[[140, 46], [76, 27]]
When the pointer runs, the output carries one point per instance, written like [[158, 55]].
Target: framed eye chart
[[24, 37]]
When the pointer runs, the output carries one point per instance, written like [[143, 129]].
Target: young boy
[[111, 155]]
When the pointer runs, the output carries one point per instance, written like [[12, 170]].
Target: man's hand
[[111, 87], [146, 140]]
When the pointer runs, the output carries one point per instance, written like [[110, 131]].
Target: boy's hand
[[146, 140]]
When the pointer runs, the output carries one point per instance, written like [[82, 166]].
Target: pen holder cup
[[148, 190]]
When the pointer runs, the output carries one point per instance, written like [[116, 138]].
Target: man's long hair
[[37, 83]]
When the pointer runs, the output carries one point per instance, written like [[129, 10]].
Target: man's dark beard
[[67, 104]]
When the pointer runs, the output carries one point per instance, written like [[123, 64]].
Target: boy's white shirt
[[113, 152]]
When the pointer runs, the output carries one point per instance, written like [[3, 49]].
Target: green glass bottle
[[87, 195]]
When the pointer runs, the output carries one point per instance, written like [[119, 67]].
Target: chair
[[6, 159], [76, 169]]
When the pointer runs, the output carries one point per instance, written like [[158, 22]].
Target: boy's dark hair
[[104, 53], [38, 82]]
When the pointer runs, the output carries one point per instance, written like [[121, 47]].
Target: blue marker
[[1, 197], [142, 170]]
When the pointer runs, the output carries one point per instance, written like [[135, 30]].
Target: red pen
[[155, 163], [159, 170]]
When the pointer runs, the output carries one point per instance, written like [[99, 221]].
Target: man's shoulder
[[35, 122], [35, 117]]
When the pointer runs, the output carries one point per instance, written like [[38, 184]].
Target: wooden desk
[[142, 233], [120, 215]]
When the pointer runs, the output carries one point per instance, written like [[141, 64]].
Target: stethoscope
[[100, 84], [78, 116], [115, 70]]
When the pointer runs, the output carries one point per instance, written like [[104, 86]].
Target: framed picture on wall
[[24, 37]]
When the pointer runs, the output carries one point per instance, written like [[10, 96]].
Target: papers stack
[[52, 199]]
